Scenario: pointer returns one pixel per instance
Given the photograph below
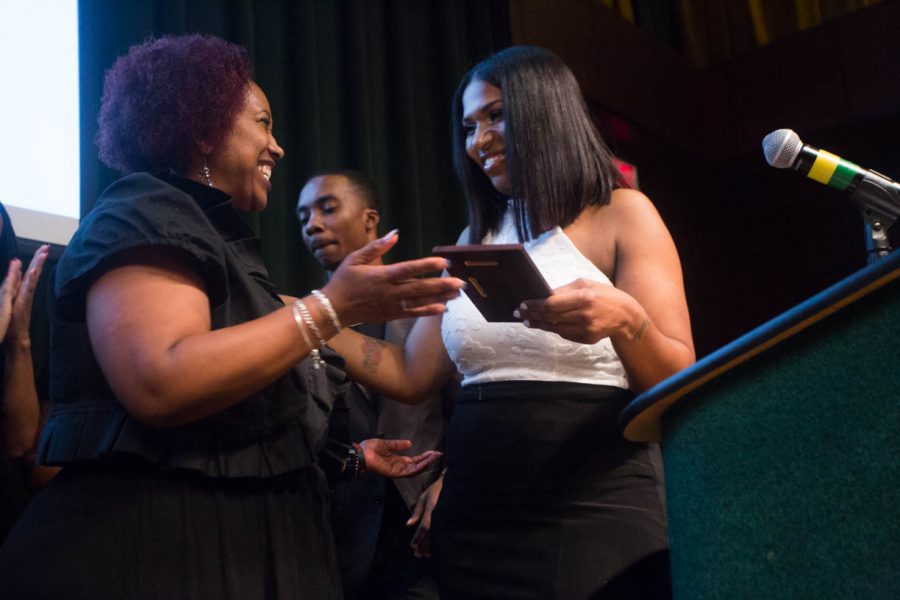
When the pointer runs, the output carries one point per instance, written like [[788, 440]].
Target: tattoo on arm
[[371, 350], [640, 331]]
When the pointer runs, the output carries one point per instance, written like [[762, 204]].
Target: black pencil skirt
[[544, 499], [128, 530]]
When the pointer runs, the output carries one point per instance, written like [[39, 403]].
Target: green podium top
[[640, 420]]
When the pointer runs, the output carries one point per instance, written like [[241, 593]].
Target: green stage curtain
[[362, 84]]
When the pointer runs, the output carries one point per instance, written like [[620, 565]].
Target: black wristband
[[355, 463]]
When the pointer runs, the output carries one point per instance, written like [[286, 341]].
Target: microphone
[[875, 193]]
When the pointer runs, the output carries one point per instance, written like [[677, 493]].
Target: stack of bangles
[[304, 319]]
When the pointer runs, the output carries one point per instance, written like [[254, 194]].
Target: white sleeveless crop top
[[485, 352]]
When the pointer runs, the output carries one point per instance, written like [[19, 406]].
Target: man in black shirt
[[338, 214]]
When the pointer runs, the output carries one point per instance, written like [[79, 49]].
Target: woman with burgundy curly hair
[[189, 403]]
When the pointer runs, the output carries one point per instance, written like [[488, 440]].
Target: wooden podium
[[782, 451]]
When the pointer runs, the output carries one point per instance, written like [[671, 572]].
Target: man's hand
[[421, 540], [382, 458]]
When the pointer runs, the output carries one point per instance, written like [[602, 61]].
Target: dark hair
[[557, 162], [364, 186], [166, 95], [9, 249]]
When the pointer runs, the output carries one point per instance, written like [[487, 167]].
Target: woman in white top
[[542, 496]]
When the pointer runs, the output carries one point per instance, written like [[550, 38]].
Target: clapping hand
[[8, 293], [17, 294], [20, 321]]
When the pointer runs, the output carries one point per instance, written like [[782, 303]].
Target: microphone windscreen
[[781, 148]]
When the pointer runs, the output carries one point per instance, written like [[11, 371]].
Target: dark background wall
[[754, 240], [367, 84]]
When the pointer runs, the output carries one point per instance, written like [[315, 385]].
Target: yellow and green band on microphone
[[830, 169]]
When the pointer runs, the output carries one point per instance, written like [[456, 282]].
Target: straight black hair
[[557, 162]]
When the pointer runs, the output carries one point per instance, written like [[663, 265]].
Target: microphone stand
[[878, 199], [877, 243]]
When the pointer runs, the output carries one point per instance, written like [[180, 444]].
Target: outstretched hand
[[365, 292], [421, 539], [383, 459]]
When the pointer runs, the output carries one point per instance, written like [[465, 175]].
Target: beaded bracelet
[[307, 319], [355, 463], [329, 309]]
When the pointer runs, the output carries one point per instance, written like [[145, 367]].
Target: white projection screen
[[39, 145]]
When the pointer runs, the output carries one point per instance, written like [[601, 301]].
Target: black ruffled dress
[[232, 506]]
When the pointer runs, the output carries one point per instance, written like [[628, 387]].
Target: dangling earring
[[204, 173]]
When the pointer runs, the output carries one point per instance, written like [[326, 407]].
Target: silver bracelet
[[309, 321], [329, 309], [305, 317], [298, 319]]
